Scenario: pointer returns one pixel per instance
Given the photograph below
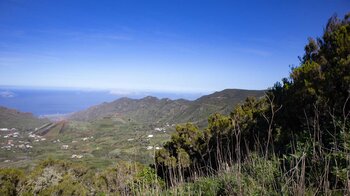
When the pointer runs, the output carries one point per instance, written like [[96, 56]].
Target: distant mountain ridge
[[153, 110], [11, 118]]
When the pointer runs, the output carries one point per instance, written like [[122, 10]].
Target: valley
[[98, 143], [125, 129]]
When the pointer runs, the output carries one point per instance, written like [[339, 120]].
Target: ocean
[[61, 101]]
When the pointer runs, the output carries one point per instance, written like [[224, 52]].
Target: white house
[[149, 147]]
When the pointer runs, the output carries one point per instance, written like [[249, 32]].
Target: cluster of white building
[[10, 143], [151, 147], [7, 129], [23, 145], [36, 138], [163, 129], [87, 138], [14, 134], [77, 156]]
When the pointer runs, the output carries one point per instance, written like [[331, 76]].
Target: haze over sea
[[51, 101]]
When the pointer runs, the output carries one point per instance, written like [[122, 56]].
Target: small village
[[14, 141]]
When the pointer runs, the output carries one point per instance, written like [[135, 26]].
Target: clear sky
[[165, 45]]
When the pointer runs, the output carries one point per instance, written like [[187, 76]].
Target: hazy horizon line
[[117, 91]]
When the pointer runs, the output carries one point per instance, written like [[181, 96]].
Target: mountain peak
[[152, 109], [150, 98]]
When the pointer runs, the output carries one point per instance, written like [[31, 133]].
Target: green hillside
[[10, 118], [152, 109]]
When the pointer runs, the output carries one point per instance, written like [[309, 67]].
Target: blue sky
[[166, 45]]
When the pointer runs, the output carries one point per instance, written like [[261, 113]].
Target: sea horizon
[[62, 101]]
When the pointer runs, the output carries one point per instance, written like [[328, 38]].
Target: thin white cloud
[[88, 34], [253, 51], [258, 52], [7, 94], [109, 36], [120, 92]]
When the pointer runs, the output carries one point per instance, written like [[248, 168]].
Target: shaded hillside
[[220, 102], [11, 118], [152, 109]]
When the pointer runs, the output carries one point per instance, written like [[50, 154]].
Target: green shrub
[[10, 180]]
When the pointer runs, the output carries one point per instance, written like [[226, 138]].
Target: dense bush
[[9, 181], [55, 177], [304, 120]]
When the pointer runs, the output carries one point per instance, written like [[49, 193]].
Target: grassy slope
[[151, 109], [10, 118]]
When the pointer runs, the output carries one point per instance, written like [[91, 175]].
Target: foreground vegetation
[[300, 128], [293, 141]]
